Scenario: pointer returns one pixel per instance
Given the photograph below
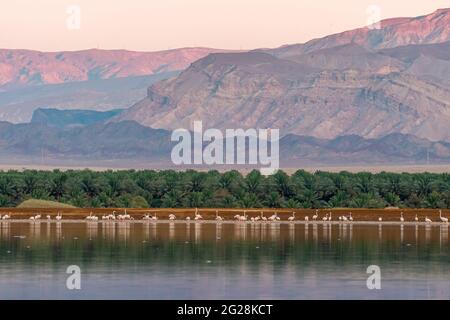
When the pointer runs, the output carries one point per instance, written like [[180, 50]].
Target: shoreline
[[165, 221]]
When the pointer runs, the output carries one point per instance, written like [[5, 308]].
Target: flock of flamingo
[[244, 217]]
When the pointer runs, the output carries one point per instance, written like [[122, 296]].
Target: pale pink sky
[[149, 25]]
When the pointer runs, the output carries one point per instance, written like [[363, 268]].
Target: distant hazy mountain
[[17, 105], [364, 82], [24, 67], [128, 141], [71, 118], [90, 79]]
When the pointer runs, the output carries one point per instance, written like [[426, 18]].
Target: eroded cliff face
[[339, 85]]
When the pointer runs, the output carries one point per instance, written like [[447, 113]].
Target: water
[[223, 261]]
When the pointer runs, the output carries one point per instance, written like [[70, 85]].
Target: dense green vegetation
[[230, 189]]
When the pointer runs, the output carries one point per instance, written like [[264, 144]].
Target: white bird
[[218, 218], [257, 218], [154, 218], [188, 218], [329, 218], [237, 217], [340, 218], [6, 217], [306, 218], [197, 215], [401, 217], [344, 218], [350, 218], [416, 219], [32, 218], [273, 217], [37, 217], [316, 215], [380, 219], [48, 217], [427, 220], [172, 216], [58, 216], [292, 218], [325, 218], [244, 217], [263, 218], [443, 219]]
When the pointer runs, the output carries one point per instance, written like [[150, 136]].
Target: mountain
[[122, 143], [428, 29], [17, 105], [352, 86], [124, 140], [71, 118], [27, 67]]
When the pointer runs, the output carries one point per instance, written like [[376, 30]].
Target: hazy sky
[[147, 25]]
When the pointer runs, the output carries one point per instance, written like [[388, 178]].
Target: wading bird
[[427, 220], [218, 218], [380, 219], [172, 216], [350, 217], [401, 217], [316, 215], [263, 218], [325, 218], [445, 220], [306, 218], [416, 219], [292, 218]]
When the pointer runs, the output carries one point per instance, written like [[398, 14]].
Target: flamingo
[[273, 217], [416, 219], [306, 218], [316, 215], [443, 219], [48, 217], [401, 217], [427, 220], [188, 218], [154, 218], [329, 218], [380, 219], [344, 218], [263, 218], [32, 218], [218, 218], [172, 216], [325, 218], [244, 217], [350, 218], [6, 217], [58, 216], [292, 218]]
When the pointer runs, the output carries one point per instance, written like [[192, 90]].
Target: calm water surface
[[222, 261]]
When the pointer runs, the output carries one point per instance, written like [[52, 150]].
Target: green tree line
[[168, 188]]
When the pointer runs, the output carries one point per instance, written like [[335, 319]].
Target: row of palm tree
[[168, 188]]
